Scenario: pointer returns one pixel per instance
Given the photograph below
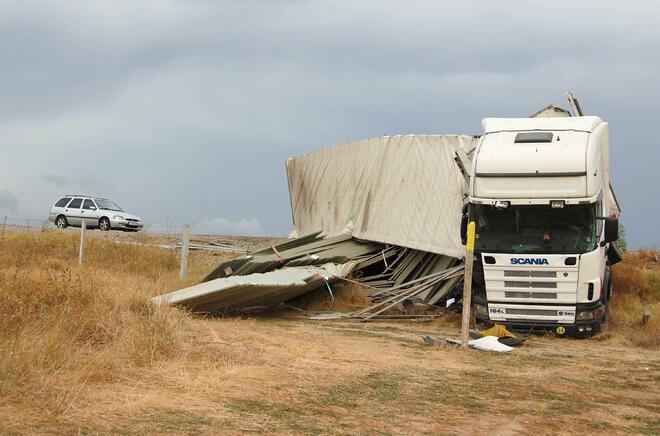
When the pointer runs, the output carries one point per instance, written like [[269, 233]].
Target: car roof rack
[[86, 196]]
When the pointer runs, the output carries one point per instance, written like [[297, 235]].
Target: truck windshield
[[536, 229]]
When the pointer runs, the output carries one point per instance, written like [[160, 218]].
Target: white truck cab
[[546, 220]]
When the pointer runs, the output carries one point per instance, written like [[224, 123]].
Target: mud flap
[[614, 253]]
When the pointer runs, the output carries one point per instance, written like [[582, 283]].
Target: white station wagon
[[101, 213]]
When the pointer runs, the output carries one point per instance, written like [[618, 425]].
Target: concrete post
[[82, 242], [184, 252]]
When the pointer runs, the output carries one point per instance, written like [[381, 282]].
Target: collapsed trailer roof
[[403, 190]]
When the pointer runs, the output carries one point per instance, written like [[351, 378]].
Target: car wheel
[[104, 224], [61, 222]]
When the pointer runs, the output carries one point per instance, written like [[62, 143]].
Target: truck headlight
[[482, 310], [585, 315]]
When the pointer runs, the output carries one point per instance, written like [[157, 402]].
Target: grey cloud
[[77, 179], [8, 202], [188, 109]]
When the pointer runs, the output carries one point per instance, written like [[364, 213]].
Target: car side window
[[89, 205], [75, 204], [62, 202]]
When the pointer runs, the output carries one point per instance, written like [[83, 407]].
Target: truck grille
[[517, 311], [545, 295], [516, 273], [546, 285]]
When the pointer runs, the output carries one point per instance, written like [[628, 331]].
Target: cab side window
[[62, 202], [75, 204], [89, 205]]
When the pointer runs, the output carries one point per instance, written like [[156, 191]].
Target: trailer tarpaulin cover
[[402, 190]]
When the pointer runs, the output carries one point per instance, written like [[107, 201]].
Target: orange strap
[[278, 254]]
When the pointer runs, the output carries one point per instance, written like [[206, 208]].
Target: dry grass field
[[83, 351]]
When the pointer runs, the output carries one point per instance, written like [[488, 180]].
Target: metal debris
[[389, 274], [255, 290]]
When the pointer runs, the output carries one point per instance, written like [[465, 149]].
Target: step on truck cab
[[546, 222]]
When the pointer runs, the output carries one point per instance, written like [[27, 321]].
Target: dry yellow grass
[[346, 297], [636, 287], [83, 351]]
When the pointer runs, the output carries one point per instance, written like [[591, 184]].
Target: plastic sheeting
[[402, 190]]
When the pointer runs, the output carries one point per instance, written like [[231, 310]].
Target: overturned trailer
[[384, 212]]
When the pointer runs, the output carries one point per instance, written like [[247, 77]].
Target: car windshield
[[536, 229], [108, 205]]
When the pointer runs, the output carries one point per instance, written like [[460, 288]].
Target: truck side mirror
[[611, 229], [464, 224]]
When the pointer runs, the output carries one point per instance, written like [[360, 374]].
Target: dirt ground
[[285, 374], [294, 376]]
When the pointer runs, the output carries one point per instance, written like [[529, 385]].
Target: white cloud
[[223, 226]]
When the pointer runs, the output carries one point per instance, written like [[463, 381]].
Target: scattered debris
[[503, 335], [486, 343], [355, 220], [489, 343], [391, 275], [213, 246], [253, 290]]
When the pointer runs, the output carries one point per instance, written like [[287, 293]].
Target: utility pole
[[467, 285]]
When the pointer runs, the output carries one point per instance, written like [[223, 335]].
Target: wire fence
[[7, 221]]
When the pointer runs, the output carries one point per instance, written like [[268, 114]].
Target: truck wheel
[[61, 222], [104, 224]]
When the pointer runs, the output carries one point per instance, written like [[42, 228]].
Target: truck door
[[72, 212], [89, 213]]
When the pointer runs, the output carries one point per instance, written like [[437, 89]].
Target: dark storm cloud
[[186, 110]]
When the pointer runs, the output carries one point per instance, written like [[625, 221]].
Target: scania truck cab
[[546, 220]]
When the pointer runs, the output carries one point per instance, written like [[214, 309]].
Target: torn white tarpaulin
[[402, 190]]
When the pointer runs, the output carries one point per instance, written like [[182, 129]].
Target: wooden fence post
[[184, 252]]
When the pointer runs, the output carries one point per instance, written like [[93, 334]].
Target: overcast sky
[[184, 111]]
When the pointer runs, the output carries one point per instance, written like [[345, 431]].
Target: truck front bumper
[[589, 320]]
